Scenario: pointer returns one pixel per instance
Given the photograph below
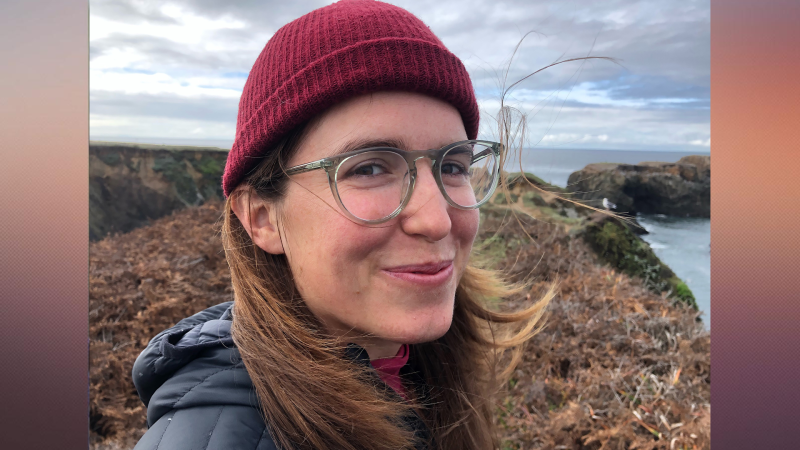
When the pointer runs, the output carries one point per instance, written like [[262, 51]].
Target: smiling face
[[396, 281]]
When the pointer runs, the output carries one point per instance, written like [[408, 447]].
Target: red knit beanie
[[333, 53]]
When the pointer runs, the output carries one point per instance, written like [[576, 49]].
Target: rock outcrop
[[617, 244], [676, 189], [131, 184], [531, 192]]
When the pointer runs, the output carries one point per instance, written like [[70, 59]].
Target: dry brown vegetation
[[141, 283], [617, 366]]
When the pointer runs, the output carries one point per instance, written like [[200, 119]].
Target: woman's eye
[[368, 170], [450, 168]]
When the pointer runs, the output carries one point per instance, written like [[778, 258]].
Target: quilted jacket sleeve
[[226, 427]]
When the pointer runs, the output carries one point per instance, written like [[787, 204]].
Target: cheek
[[313, 226], [330, 255], [333, 262], [465, 226]]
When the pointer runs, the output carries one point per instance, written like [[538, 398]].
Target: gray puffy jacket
[[198, 394]]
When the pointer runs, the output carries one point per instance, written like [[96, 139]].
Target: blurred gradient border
[[755, 121], [44, 124], [755, 288]]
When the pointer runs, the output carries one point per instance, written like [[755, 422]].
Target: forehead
[[414, 121]]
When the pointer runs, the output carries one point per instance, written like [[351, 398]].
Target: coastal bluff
[[682, 188], [623, 337], [132, 184]]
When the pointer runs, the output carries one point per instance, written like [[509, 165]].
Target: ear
[[259, 218]]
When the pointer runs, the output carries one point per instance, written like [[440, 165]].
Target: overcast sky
[[175, 69]]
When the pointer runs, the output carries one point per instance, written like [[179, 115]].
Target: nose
[[427, 213]]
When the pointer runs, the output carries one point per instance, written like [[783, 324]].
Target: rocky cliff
[[677, 189], [132, 184], [618, 307], [619, 365], [615, 241]]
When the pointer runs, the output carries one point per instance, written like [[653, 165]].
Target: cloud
[[184, 62], [103, 127], [166, 106], [129, 12]]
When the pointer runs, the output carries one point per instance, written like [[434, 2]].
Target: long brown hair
[[314, 398]]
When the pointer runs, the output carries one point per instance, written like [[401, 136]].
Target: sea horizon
[[228, 143], [668, 236], [553, 165]]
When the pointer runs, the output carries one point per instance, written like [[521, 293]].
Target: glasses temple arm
[[481, 155], [302, 168]]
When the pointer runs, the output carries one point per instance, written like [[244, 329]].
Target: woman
[[352, 193]]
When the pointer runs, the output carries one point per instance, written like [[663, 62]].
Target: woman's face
[[396, 281]]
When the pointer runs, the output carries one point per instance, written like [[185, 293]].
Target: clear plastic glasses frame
[[332, 165]]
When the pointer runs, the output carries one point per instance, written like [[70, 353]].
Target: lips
[[430, 274]]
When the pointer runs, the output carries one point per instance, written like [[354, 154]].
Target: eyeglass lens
[[468, 172], [372, 185]]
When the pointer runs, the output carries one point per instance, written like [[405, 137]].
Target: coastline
[[622, 360]]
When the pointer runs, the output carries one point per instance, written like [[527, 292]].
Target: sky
[[174, 70]]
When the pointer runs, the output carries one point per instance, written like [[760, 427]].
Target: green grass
[[682, 292], [172, 148], [208, 166], [622, 249]]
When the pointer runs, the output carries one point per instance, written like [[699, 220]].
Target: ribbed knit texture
[[346, 49]]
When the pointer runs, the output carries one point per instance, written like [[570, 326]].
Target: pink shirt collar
[[389, 369]]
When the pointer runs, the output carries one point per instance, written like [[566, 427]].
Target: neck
[[377, 348]]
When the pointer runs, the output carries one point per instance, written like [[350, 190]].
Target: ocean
[[684, 244], [681, 243]]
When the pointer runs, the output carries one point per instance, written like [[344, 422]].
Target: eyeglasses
[[373, 185]]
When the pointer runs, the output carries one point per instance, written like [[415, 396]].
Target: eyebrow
[[358, 144]]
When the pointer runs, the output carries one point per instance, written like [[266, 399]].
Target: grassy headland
[[621, 363]]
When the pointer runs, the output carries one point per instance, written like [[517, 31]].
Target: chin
[[430, 330]]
